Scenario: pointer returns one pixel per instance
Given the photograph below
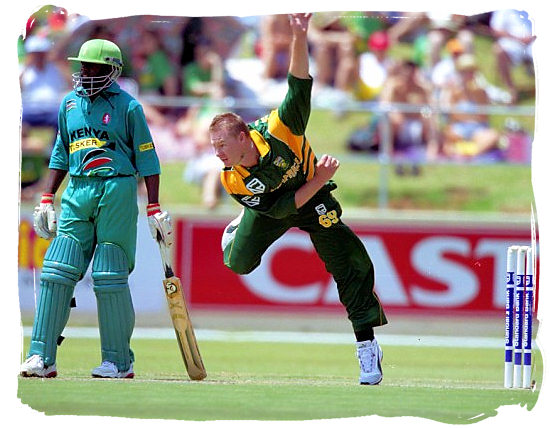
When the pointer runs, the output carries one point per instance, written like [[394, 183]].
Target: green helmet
[[97, 51]]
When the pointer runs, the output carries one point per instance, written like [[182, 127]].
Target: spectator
[[479, 24], [169, 145], [413, 134], [205, 76], [514, 44], [468, 134], [203, 167], [57, 21], [48, 19], [444, 73], [428, 32], [333, 48], [441, 29], [101, 30], [363, 25], [190, 34], [224, 33], [42, 84], [374, 67], [275, 37], [155, 71]]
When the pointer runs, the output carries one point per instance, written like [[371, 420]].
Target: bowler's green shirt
[[286, 159], [105, 137]]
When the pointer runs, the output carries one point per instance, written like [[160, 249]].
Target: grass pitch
[[279, 381]]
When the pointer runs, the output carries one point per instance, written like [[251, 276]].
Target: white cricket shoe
[[34, 367], [230, 230], [108, 369], [369, 354]]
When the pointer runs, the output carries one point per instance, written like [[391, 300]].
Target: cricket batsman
[[103, 143], [270, 169]]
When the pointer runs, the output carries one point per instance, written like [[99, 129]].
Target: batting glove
[[45, 219], [160, 224]]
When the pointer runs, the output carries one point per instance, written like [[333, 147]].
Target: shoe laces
[[35, 357], [367, 357], [36, 360], [109, 365]]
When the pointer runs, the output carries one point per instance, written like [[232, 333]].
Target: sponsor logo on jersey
[[106, 118], [87, 143], [280, 162], [321, 209], [251, 201], [146, 146], [93, 153], [256, 186], [95, 161], [290, 173]]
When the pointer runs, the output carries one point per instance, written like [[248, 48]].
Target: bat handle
[[165, 256]]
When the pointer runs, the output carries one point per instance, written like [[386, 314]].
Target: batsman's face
[[88, 69], [91, 73], [228, 148]]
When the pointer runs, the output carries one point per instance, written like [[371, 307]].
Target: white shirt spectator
[[514, 31], [42, 83]]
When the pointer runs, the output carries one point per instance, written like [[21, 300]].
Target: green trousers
[[343, 253], [95, 210]]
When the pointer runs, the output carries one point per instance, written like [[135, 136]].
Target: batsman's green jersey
[[267, 191], [105, 138]]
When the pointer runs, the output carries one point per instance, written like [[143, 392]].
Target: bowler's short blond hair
[[230, 122]]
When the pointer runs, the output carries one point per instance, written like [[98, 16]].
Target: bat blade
[[184, 329]]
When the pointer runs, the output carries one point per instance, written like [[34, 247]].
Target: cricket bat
[[180, 318]]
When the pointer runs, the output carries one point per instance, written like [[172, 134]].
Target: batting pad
[[115, 310], [63, 262], [62, 268]]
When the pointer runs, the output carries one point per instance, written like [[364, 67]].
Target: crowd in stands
[[389, 58]]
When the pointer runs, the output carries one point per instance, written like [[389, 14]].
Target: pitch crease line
[[297, 337]]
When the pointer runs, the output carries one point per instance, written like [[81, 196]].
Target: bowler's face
[[227, 147]]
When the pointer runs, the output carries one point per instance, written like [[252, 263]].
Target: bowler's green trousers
[[343, 253]]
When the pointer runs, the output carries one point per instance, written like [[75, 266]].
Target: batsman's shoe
[[369, 354], [34, 367], [108, 369]]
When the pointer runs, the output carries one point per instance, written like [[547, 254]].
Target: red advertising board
[[417, 268]]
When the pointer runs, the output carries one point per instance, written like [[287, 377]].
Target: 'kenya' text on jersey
[[91, 143]]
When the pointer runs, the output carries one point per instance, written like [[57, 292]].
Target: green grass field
[[278, 381]]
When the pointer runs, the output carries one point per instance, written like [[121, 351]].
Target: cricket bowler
[[271, 169], [104, 144]]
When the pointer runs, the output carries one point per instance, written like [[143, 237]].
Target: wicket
[[518, 317]]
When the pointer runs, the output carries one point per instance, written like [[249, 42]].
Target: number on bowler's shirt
[[328, 219]]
